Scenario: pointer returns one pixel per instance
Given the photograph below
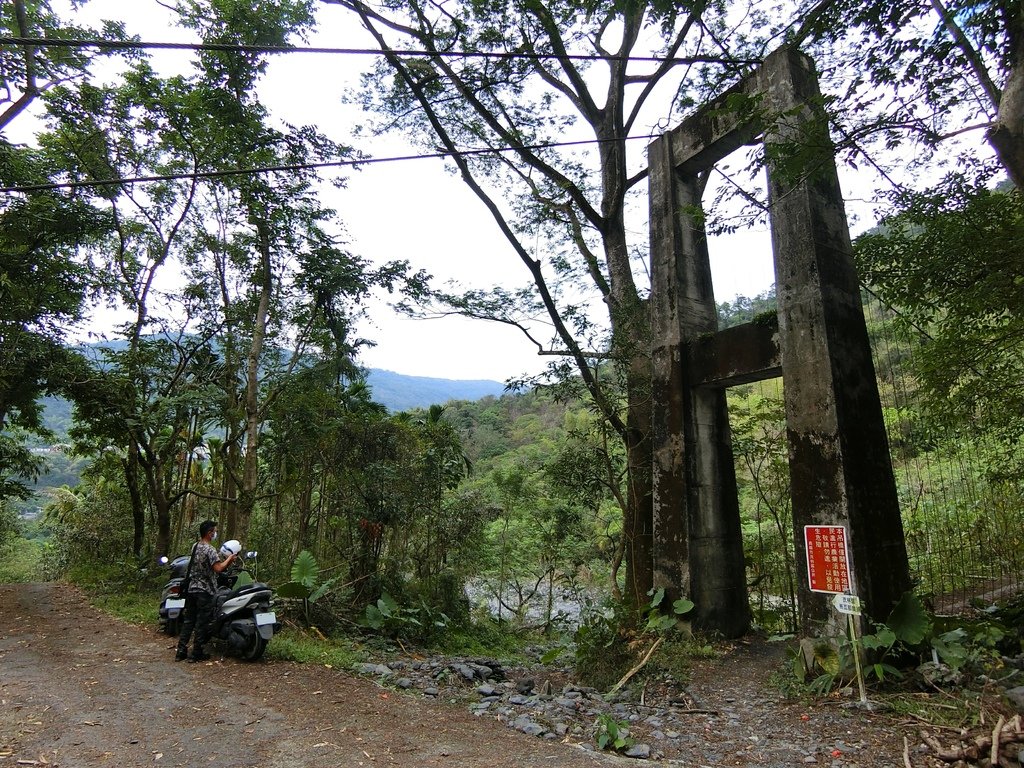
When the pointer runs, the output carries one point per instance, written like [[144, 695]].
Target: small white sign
[[849, 604]]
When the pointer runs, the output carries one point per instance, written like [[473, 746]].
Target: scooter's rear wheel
[[173, 627], [254, 648]]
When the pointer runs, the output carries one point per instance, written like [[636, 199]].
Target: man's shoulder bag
[[187, 581]]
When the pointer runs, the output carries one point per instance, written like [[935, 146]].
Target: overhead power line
[[300, 166], [49, 42]]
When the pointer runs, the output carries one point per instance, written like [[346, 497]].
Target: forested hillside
[[395, 391]]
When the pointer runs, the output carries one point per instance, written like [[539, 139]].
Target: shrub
[[602, 646]]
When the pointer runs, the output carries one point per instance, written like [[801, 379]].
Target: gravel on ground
[[79, 688]]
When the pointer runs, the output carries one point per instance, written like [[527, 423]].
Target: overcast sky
[[415, 210]]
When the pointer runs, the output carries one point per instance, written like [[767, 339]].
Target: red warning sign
[[828, 562]]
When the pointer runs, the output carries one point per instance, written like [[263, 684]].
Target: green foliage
[[899, 58], [757, 419], [91, 529], [305, 570], [908, 621], [482, 637], [536, 537], [952, 262], [745, 310], [387, 612], [44, 278], [602, 645], [445, 594], [657, 618], [961, 648], [122, 591], [20, 557], [388, 617], [611, 734], [9, 527], [135, 607], [908, 637], [676, 654], [954, 712], [305, 584], [612, 634]]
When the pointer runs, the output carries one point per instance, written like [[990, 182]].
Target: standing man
[[200, 600]]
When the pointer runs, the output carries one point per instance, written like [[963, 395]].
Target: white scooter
[[244, 621], [172, 602]]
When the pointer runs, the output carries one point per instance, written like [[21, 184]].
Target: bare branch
[[31, 89], [969, 51], [606, 406]]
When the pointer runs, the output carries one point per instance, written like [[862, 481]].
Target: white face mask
[[214, 537]]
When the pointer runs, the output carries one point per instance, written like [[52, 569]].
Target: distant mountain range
[[396, 391], [402, 393]]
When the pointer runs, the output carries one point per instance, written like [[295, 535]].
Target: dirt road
[[80, 689]]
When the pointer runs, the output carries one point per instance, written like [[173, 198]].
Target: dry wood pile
[[1001, 747]]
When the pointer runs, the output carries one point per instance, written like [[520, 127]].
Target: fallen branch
[[993, 757], [906, 753], [929, 723], [1007, 733], [677, 703], [637, 668]]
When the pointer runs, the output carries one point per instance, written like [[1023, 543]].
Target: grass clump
[[130, 605], [604, 650], [676, 654], [134, 601], [293, 644], [484, 637], [21, 560], [940, 710]]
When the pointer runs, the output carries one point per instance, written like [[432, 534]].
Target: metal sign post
[[828, 570], [850, 605]]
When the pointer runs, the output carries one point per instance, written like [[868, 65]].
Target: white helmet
[[230, 547]]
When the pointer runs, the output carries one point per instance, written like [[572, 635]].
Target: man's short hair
[[205, 527]]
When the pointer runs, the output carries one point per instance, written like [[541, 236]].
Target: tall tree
[[44, 281], [144, 126], [507, 80], [44, 273], [269, 272]]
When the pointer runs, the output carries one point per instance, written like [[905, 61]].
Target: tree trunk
[[1007, 137], [229, 505], [638, 530], [250, 475], [305, 512], [161, 506], [131, 476], [630, 324]]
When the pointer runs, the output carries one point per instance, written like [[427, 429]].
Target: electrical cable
[[138, 45], [49, 42], [299, 166]]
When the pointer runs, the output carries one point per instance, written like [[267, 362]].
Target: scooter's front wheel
[[254, 648]]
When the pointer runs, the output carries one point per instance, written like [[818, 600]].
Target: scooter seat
[[256, 586]]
